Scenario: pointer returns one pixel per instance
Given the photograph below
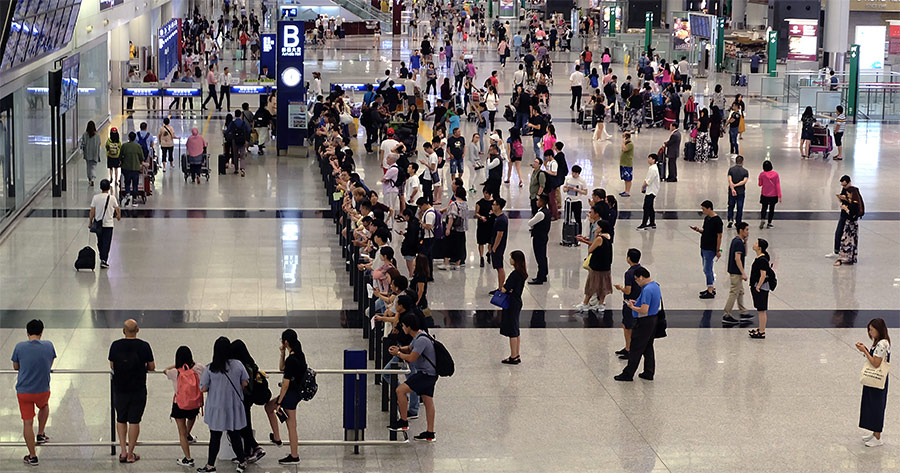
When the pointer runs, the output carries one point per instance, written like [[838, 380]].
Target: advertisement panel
[[69, 89], [871, 46], [802, 41], [168, 49], [681, 35], [894, 39], [290, 47], [267, 55]]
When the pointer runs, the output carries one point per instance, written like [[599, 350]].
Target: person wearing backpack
[[420, 354], [145, 139], [284, 405], [113, 153], [431, 229], [223, 382], [762, 280], [185, 377], [238, 134], [167, 143], [129, 358], [256, 392]]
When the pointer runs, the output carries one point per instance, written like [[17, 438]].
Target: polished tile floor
[[237, 253]]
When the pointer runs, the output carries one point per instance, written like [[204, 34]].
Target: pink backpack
[[518, 150], [188, 396]]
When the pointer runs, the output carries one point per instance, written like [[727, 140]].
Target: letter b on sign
[[291, 36]]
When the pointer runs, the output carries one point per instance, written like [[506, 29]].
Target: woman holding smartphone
[[284, 406]]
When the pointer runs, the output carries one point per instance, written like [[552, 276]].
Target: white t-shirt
[[577, 182], [491, 101], [552, 166], [387, 146], [428, 218], [432, 160], [653, 180], [412, 184], [98, 202], [576, 79]]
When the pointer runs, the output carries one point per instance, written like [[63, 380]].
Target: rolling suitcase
[[223, 162], [690, 151], [87, 259], [570, 227]]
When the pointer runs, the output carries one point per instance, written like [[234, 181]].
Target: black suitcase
[[223, 162], [690, 151], [570, 227], [87, 259], [580, 118]]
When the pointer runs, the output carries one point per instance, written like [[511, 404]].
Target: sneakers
[[242, 467], [482, 261], [642, 227], [769, 225], [103, 265], [185, 462], [730, 223], [33, 461], [191, 439], [581, 307], [289, 460], [623, 351], [707, 295], [623, 355], [43, 438], [831, 255], [257, 454], [272, 439], [746, 316], [866, 438], [648, 377], [762, 225], [729, 320], [874, 442], [399, 426], [411, 416], [597, 308], [425, 437], [622, 377]]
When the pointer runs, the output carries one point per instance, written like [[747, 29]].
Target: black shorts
[[627, 317], [760, 299], [290, 400], [129, 406], [497, 259], [422, 384], [839, 138], [179, 413]]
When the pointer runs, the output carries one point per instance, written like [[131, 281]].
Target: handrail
[[174, 443], [322, 371]]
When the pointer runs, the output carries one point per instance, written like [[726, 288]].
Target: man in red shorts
[[32, 359]]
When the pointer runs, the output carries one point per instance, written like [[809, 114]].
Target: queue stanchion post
[[354, 396], [376, 349], [371, 328], [112, 416], [385, 386], [393, 399]]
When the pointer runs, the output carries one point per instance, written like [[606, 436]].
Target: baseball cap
[[390, 131], [495, 137], [114, 129]]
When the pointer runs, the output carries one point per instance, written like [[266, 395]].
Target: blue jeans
[[733, 137], [413, 397], [456, 166], [537, 147], [708, 257], [735, 201], [521, 120], [132, 180]]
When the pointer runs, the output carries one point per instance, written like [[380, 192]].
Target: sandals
[[133, 458], [123, 458], [512, 361], [755, 333]]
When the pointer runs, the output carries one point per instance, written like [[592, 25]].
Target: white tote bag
[[874, 377]]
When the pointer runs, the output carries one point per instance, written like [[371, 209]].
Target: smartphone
[[282, 417]]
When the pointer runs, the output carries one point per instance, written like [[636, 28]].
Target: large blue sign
[[267, 58], [168, 49], [141, 92], [292, 118], [181, 92]]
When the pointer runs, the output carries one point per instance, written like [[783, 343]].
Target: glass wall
[[93, 88], [32, 136]]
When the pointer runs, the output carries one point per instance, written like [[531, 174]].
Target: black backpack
[[443, 362], [87, 259], [310, 387], [770, 276], [258, 388], [237, 133], [402, 176]]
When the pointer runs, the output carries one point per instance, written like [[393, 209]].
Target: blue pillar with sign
[[267, 55], [292, 114], [354, 395]]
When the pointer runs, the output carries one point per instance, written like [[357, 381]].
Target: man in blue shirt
[[517, 45], [645, 310], [420, 356], [32, 359]]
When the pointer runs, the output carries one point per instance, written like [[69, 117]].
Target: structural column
[[837, 32], [738, 12]]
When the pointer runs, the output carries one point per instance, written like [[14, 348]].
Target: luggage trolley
[[821, 141]]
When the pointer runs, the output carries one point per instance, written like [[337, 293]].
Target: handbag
[[875, 377], [500, 299], [587, 263], [661, 324], [97, 225]]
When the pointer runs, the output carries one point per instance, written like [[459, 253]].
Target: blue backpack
[[594, 82], [144, 141]]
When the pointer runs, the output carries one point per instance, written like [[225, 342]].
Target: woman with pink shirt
[[770, 193], [196, 149]]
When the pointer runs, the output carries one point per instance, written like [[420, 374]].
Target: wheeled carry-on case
[[223, 164], [570, 227]]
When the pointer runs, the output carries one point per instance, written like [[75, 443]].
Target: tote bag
[[875, 377]]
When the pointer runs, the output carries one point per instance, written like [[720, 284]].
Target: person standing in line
[[669, 164], [630, 292], [770, 193], [734, 123], [110, 206], [292, 362], [224, 403], [167, 143], [850, 212], [576, 190], [225, 92], [113, 153], [184, 369], [874, 401], [540, 235], [646, 310], [90, 149], [710, 246], [839, 123], [626, 163], [428, 217], [420, 354], [252, 451], [455, 232], [759, 285], [33, 360], [737, 184], [509, 317], [551, 169], [130, 358], [576, 81], [650, 189], [599, 281], [498, 240], [737, 274], [844, 197], [484, 227], [211, 82]]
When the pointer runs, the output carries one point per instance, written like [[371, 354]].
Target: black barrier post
[[385, 401], [112, 416], [375, 349], [393, 396]]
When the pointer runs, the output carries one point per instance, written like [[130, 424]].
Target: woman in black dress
[[807, 120], [410, 246], [485, 224], [871, 409], [509, 317], [419, 282]]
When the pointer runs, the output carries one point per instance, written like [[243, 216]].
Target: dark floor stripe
[[148, 319], [513, 214]]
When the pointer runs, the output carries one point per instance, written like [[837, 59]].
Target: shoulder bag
[[875, 377], [97, 225]]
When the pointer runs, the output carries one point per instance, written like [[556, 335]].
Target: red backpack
[[188, 396]]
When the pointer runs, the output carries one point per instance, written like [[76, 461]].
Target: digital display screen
[[37, 28], [700, 26], [104, 4]]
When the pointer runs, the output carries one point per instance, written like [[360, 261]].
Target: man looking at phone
[[710, 246]]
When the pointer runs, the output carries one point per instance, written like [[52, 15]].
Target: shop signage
[[802, 41], [875, 5]]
